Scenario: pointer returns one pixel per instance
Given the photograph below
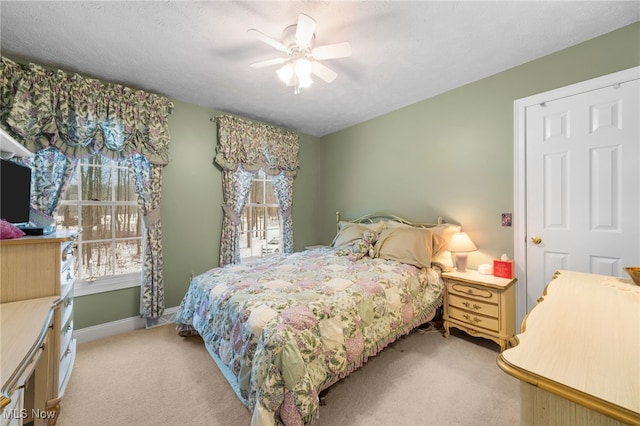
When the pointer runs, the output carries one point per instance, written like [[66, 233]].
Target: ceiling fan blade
[[304, 30], [268, 40], [331, 51], [324, 72], [268, 62]]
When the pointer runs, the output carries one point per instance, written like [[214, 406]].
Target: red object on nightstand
[[503, 268]]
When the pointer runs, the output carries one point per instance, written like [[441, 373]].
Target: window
[[101, 202], [260, 225]]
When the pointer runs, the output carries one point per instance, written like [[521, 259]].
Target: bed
[[286, 327]]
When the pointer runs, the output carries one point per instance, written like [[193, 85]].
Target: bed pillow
[[392, 224], [413, 246], [349, 232], [443, 234]]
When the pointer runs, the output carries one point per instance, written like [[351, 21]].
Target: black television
[[15, 192]]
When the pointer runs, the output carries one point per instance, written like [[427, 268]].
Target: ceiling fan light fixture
[[305, 81], [302, 74], [296, 73], [302, 57], [286, 73], [303, 69]]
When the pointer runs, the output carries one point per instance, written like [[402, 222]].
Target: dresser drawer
[[67, 248], [66, 276], [66, 310], [484, 294], [474, 320], [66, 365], [473, 305], [66, 265], [66, 334]]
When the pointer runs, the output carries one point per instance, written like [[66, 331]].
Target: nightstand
[[480, 305]]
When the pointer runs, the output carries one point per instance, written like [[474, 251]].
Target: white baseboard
[[124, 325]]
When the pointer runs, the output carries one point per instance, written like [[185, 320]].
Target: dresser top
[[57, 237], [582, 340]]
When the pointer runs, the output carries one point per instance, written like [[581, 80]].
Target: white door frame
[[520, 184]]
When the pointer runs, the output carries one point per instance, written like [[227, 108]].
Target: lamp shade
[[460, 242], [459, 245]]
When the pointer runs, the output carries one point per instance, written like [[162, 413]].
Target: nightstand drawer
[[484, 294], [473, 305], [474, 320]]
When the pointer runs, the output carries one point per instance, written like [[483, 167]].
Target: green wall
[[453, 155], [450, 155]]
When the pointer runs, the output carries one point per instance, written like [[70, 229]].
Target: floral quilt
[[284, 328]]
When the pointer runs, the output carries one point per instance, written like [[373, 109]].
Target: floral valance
[[256, 146], [81, 116]]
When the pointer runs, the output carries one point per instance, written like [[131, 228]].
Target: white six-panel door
[[582, 186]]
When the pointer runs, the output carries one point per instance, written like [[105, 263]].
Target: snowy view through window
[[101, 203], [260, 225]]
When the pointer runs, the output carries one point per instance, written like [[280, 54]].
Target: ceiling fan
[[302, 57]]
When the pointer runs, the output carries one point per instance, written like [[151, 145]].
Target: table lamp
[[459, 246]]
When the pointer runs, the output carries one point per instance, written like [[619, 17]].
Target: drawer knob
[[470, 306], [474, 319]]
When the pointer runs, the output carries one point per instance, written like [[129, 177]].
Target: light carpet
[[155, 377]]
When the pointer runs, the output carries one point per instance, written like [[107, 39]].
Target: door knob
[[536, 240]]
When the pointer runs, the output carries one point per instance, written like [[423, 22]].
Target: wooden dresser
[[41, 266], [578, 356]]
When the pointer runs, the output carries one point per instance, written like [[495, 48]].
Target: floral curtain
[[51, 174], [235, 191], [256, 146], [244, 147], [283, 185], [63, 116], [148, 182], [81, 116]]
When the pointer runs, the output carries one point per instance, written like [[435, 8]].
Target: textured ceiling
[[199, 52]]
